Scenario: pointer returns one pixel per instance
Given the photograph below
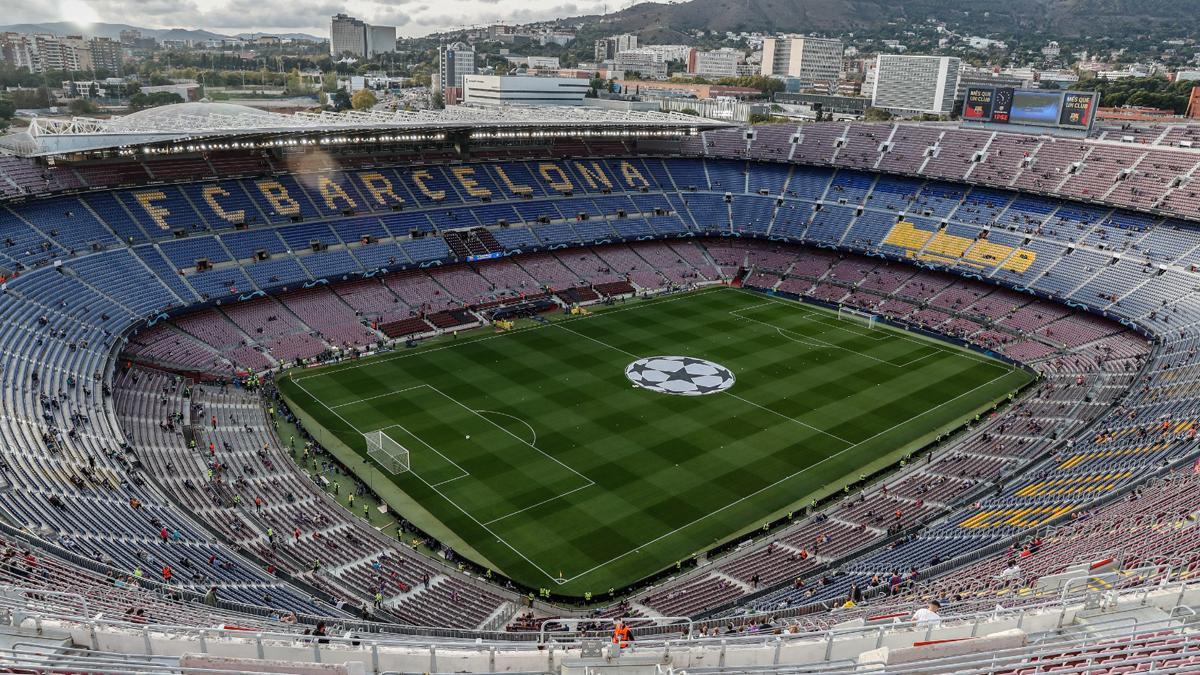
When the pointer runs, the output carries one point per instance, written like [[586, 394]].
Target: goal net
[[387, 452], [856, 316]]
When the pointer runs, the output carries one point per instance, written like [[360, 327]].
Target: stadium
[[460, 390]]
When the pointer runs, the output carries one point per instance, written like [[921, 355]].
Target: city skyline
[[410, 17]]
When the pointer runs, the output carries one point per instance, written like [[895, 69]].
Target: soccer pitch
[[533, 452]]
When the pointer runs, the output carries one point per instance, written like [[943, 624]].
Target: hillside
[[1060, 17]]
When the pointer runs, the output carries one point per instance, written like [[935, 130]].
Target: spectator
[[927, 616]]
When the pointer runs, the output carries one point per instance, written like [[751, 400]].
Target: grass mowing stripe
[[670, 475]]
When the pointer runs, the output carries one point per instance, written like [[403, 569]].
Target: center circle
[[679, 375]]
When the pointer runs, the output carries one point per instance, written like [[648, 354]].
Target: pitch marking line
[[807, 340], [901, 336], [372, 398], [420, 440], [420, 352], [756, 405], [522, 440], [531, 444], [895, 333], [534, 506], [513, 417], [443, 496], [780, 481]]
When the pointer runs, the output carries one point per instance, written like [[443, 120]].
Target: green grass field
[[575, 480]]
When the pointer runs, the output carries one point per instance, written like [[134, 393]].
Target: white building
[[542, 62], [808, 59], [670, 52], [914, 85], [516, 90], [648, 63], [714, 64]]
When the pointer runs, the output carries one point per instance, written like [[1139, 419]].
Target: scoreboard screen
[[1077, 109], [1029, 107], [978, 104]]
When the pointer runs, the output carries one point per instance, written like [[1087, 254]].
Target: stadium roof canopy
[[209, 123]]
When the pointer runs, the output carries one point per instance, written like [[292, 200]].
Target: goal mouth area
[[857, 316], [387, 452]]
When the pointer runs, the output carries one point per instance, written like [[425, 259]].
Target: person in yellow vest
[[621, 634]]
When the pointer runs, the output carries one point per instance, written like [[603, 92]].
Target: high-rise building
[[348, 35], [381, 40], [130, 36], [913, 85], [19, 51], [455, 61], [106, 54], [604, 49], [809, 59], [62, 53], [608, 48]]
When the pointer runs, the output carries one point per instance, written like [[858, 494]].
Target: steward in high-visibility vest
[[621, 634]]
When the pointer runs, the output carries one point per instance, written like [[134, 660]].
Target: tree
[[82, 106], [8, 109], [141, 101], [363, 99], [294, 84], [876, 115], [31, 98], [690, 111], [341, 100], [437, 100]]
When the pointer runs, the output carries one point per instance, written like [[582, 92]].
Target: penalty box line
[[443, 495], [810, 312], [588, 482], [463, 472]]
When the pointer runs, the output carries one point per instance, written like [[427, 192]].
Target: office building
[[647, 63], [608, 48], [381, 40], [812, 60], [914, 85], [455, 61], [348, 35], [714, 64]]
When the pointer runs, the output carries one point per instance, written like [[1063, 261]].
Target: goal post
[[856, 316], [389, 454]]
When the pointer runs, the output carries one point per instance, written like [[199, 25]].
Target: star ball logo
[[679, 375]]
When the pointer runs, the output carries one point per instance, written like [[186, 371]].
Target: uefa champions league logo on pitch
[[679, 375]]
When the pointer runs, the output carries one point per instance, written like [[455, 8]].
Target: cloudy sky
[[411, 17]]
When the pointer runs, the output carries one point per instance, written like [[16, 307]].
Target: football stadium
[[529, 390]]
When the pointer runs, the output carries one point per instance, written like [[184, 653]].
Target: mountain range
[[113, 30], [1056, 17]]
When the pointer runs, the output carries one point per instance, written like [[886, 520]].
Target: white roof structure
[[214, 122]]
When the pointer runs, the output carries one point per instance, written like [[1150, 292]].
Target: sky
[[411, 17]]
